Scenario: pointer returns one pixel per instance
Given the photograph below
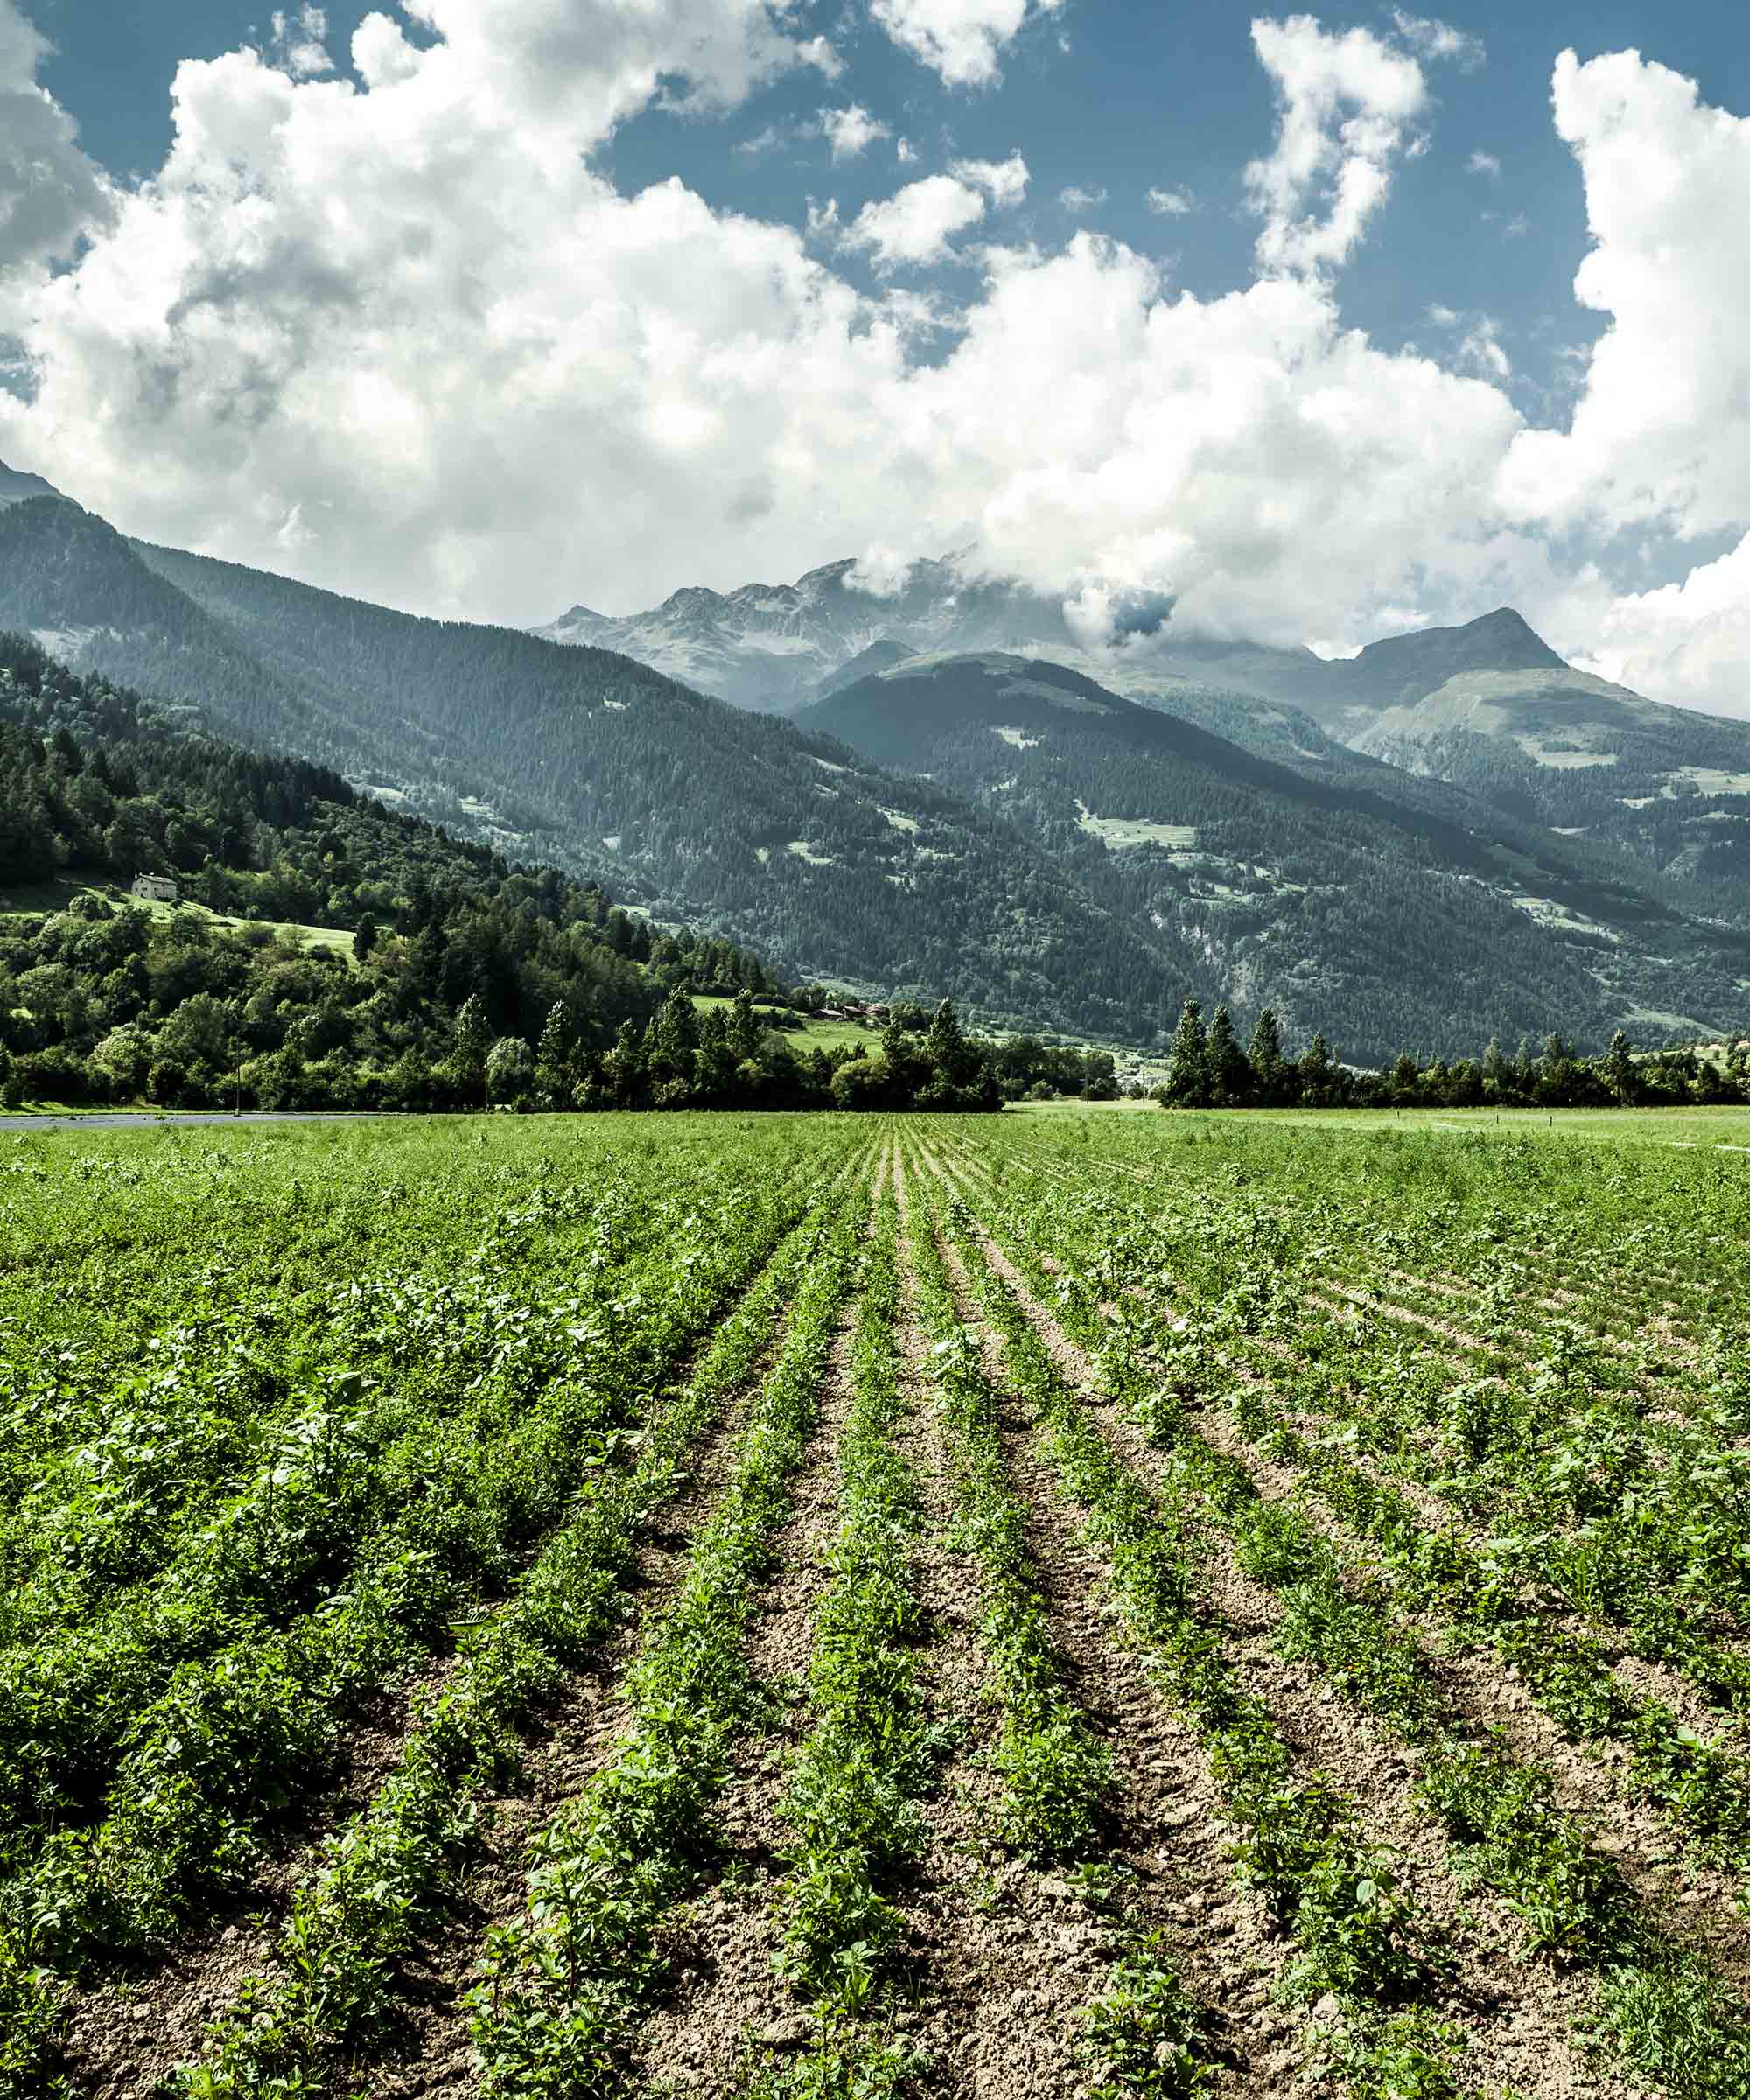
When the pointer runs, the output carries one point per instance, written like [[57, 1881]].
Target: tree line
[[1209, 1069]]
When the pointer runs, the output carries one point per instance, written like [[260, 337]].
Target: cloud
[[1483, 164], [851, 132], [1480, 349], [1687, 641], [1076, 198], [395, 333], [1429, 39], [1661, 432], [50, 195], [1478, 346], [1170, 203], [905, 152], [961, 40], [1003, 181], [299, 42], [1342, 103], [917, 224]]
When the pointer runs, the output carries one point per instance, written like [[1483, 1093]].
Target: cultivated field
[[1037, 1605]]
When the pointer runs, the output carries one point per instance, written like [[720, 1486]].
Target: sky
[[1313, 325]]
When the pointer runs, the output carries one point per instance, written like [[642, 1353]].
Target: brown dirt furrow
[[1518, 2017], [122, 2034], [431, 2052], [1015, 1956], [1589, 1777], [436, 2057], [1333, 1294], [721, 1947], [1642, 1677]]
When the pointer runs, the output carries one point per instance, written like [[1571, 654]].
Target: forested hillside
[[102, 997], [694, 809], [1087, 876], [1377, 919]]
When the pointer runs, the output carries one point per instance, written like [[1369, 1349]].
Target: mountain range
[[1422, 846]]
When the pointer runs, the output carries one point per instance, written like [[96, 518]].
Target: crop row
[[562, 1986], [1660, 2005], [1594, 1501], [1360, 1942], [254, 1723]]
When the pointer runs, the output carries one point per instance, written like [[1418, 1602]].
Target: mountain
[[1490, 710], [18, 488], [696, 810], [770, 645], [1345, 904], [1042, 882]]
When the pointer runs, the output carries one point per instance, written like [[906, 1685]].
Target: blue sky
[[1147, 97], [622, 445]]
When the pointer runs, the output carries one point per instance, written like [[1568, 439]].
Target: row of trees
[[1210, 1070]]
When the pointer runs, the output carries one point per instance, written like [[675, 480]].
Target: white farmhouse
[[155, 889]]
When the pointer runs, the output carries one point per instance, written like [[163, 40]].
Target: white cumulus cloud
[[1483, 164], [1005, 182], [1170, 203], [50, 193], [398, 334], [851, 132], [917, 224], [1429, 38], [1687, 641], [962, 40], [1661, 431], [1343, 102], [300, 42]]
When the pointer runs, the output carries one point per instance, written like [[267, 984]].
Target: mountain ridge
[[1041, 909]]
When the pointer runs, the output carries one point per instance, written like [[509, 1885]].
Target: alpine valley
[[938, 787]]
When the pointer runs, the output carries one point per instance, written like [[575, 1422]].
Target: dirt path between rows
[[1024, 1987]]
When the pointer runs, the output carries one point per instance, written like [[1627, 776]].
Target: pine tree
[[1230, 1075], [473, 1039], [625, 1066], [946, 1047], [1317, 1074], [554, 1056], [744, 1028], [1188, 1078], [364, 938], [1267, 1061], [1619, 1069]]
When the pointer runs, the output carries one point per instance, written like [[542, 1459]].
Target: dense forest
[[457, 979], [1378, 916], [692, 809]]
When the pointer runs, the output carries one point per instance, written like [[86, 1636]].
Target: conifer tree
[[1188, 1078], [1267, 1061], [744, 1028], [1619, 1069], [1230, 1075], [473, 1039], [1317, 1074]]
